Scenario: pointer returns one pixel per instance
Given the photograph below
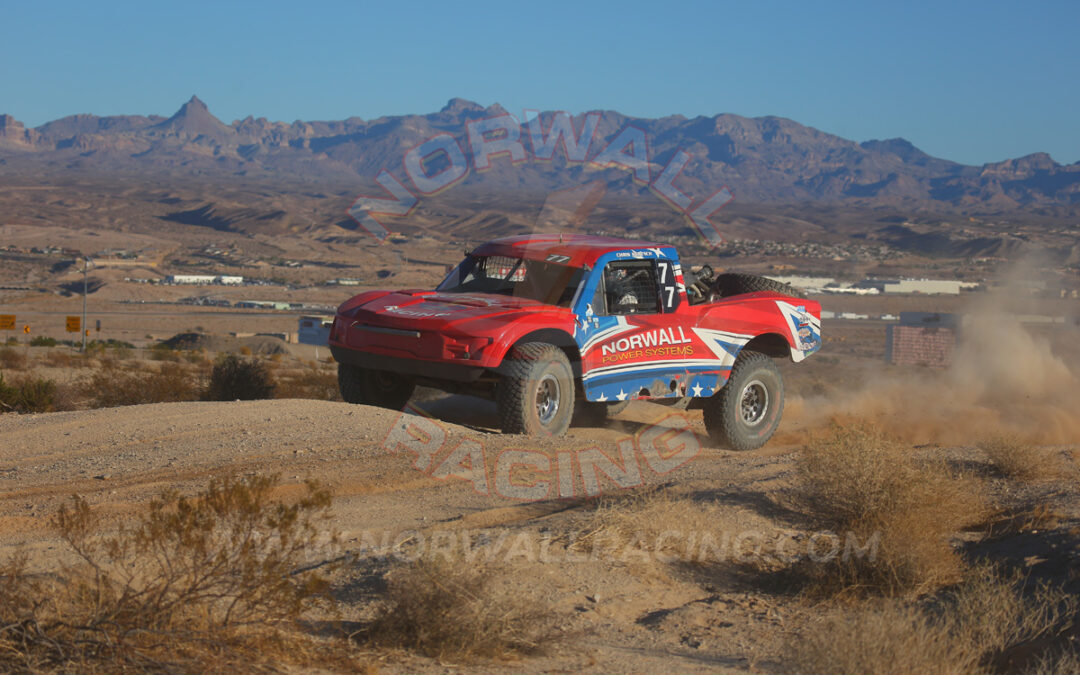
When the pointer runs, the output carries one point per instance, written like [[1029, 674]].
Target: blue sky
[[968, 81]]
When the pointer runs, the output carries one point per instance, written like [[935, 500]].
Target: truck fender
[[553, 336]]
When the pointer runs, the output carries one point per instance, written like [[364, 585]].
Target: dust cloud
[[1003, 380]]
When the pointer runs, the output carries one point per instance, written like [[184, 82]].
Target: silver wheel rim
[[753, 403], [547, 399]]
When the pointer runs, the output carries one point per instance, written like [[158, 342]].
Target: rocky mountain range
[[761, 160]]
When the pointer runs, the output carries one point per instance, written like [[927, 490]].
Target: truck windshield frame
[[527, 278]]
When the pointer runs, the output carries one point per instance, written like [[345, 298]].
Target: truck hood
[[430, 310]]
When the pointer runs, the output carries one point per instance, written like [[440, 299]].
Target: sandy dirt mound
[[258, 344]]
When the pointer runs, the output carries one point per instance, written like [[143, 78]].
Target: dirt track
[[119, 457], [625, 615]]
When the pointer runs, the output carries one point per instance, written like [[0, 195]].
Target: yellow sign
[[7, 322], [74, 324], [26, 329]]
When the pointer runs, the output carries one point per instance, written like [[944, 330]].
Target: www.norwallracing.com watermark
[[441, 162], [531, 475], [669, 546]]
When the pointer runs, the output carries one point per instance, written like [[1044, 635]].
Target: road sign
[[26, 329], [74, 324], [7, 322]]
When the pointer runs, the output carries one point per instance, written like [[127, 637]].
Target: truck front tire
[[744, 414], [536, 393], [374, 387]]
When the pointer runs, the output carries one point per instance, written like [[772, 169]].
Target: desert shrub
[[11, 341], [1019, 460], [11, 359], [121, 352], [111, 386], [27, 394], [67, 397], [452, 608], [93, 349], [210, 582], [892, 639], [987, 624], [96, 344], [1066, 662], [236, 378], [58, 358], [42, 341], [856, 480], [314, 384], [621, 523], [196, 356], [8, 396], [163, 352]]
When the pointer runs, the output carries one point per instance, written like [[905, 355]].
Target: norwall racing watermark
[[669, 546], [532, 475], [441, 162]]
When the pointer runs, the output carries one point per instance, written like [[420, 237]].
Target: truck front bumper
[[436, 370]]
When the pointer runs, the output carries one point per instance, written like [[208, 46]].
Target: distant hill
[[762, 160]]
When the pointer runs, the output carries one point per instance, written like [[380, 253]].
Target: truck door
[[637, 342]]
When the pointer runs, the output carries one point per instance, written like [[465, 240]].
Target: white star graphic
[[622, 395], [697, 390], [602, 397]]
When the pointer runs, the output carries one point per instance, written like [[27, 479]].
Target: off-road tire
[[374, 387], [534, 375], [732, 417], [596, 413], [735, 283]]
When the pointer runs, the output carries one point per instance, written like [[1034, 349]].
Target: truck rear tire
[[744, 414], [536, 393], [735, 283], [374, 387]]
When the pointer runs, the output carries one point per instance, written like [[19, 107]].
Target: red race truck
[[557, 326]]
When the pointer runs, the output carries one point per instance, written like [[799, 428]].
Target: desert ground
[[720, 563], [902, 519]]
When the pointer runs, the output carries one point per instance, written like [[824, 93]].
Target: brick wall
[[920, 346]]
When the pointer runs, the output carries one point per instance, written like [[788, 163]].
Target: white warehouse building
[[204, 279], [925, 286], [189, 279]]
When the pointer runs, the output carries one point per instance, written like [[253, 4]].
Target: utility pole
[[86, 263]]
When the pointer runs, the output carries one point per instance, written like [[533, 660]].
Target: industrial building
[[204, 279], [190, 279], [873, 286], [263, 304], [808, 284], [924, 286]]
